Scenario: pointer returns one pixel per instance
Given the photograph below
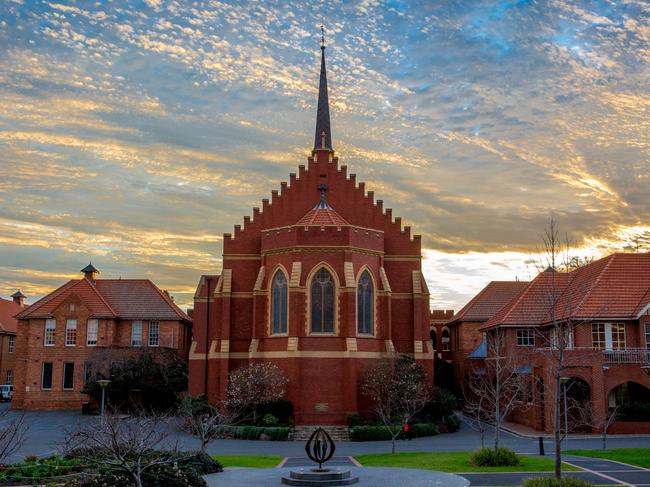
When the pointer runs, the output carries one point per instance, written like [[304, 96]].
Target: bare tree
[[13, 432], [399, 390], [495, 390], [586, 416], [474, 413], [252, 385], [131, 445], [206, 421], [561, 294]]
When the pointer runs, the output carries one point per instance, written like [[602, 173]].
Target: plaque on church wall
[[321, 407]]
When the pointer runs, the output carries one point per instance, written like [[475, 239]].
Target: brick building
[[8, 311], [321, 281], [600, 315], [60, 336]]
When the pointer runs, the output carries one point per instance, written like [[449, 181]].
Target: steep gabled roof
[[8, 311], [111, 298], [489, 301], [614, 287]]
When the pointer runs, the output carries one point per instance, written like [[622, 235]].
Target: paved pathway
[[368, 477]]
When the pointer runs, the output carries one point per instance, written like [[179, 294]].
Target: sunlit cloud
[[136, 137]]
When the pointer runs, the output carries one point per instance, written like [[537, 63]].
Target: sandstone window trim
[[92, 329], [71, 333], [136, 333], [366, 303], [154, 334], [49, 336], [323, 294], [279, 303]]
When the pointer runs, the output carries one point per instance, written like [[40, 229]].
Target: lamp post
[[564, 381], [646, 369], [103, 383]]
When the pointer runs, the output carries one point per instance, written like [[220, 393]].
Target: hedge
[[278, 433], [379, 433]]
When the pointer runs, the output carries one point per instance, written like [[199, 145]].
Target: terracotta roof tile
[[8, 311], [111, 298], [322, 216], [489, 301], [616, 287]]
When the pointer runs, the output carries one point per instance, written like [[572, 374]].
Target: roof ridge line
[[463, 311], [100, 296], [611, 258], [169, 301]]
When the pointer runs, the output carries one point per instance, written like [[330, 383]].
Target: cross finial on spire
[[322, 204], [322, 36]]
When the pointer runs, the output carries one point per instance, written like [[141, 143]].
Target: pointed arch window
[[365, 301], [279, 303], [322, 302]]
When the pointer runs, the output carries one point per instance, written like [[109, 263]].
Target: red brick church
[[322, 281]]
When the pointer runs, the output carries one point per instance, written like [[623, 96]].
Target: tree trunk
[[605, 440], [392, 449], [558, 436], [204, 445]]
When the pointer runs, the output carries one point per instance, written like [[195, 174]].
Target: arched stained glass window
[[279, 303], [365, 320], [322, 302]]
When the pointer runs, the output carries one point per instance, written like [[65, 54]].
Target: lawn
[[453, 462], [633, 456], [249, 461]]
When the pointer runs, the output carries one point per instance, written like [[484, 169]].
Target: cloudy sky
[[134, 134]]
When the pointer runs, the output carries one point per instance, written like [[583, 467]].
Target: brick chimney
[[90, 272], [19, 298]]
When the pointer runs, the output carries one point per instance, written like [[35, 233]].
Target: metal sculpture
[[320, 447]]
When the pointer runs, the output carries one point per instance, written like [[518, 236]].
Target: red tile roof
[[111, 298], [614, 287], [322, 216], [489, 301], [8, 311]]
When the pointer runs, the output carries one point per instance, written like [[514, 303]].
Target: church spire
[[323, 137]]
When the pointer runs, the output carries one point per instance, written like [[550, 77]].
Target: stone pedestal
[[320, 478]]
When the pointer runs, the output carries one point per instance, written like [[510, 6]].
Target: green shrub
[[281, 409], [277, 433], [489, 457], [369, 433], [269, 420], [553, 482], [452, 423], [202, 463], [424, 429]]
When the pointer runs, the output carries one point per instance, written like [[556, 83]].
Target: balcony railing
[[612, 357], [627, 356]]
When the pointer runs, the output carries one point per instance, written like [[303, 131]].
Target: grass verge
[[634, 456], [454, 462], [249, 461]]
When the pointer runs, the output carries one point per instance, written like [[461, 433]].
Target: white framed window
[[10, 376], [91, 332], [568, 338], [647, 336], [608, 336], [136, 333], [70, 333], [12, 343], [50, 332], [525, 337], [154, 333]]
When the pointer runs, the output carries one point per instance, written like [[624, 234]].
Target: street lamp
[[564, 381], [103, 383], [646, 369]]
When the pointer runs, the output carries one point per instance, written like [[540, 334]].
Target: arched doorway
[[577, 414], [434, 339], [632, 400], [445, 340]]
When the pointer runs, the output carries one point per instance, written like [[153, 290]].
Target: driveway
[[47, 431]]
